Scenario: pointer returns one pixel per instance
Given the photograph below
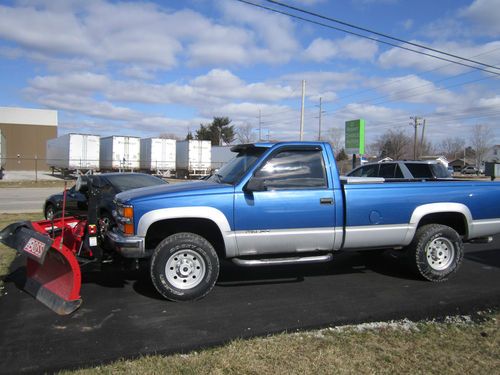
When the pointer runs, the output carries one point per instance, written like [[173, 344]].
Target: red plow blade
[[53, 274]]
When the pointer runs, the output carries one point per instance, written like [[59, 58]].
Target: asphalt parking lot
[[122, 315]]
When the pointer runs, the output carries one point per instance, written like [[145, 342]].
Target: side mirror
[[255, 184]]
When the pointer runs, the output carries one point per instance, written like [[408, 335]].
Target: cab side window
[[367, 171], [294, 169]]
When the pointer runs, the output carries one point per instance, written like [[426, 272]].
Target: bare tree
[[481, 140], [452, 148], [335, 136], [244, 133], [427, 148], [395, 144]]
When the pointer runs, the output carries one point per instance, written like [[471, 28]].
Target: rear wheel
[[436, 252], [50, 211], [184, 267]]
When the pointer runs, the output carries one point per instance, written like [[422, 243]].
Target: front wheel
[[50, 212], [436, 252], [184, 267]]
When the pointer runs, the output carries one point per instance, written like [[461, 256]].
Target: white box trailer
[[221, 155], [193, 158], [158, 155], [120, 153], [3, 153], [73, 152]]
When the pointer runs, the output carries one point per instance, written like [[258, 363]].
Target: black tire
[[436, 252], [50, 211], [184, 267]]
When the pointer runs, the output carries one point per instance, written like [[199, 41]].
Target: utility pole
[[302, 110], [415, 124], [319, 117], [422, 138]]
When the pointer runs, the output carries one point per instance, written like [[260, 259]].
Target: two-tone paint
[[342, 215]]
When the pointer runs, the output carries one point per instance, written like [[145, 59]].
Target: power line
[[378, 33], [397, 81], [365, 36]]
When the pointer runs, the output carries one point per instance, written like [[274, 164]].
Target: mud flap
[[53, 274]]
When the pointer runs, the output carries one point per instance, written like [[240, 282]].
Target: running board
[[481, 240], [280, 261]]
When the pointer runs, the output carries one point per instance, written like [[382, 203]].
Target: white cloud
[[486, 15], [83, 105], [273, 34], [487, 53], [146, 34], [414, 89], [71, 83], [322, 50]]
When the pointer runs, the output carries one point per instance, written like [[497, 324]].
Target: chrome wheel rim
[[185, 269], [50, 213], [440, 253]]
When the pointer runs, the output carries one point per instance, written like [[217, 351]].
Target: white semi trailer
[[120, 153], [73, 152], [158, 155], [193, 158], [220, 156]]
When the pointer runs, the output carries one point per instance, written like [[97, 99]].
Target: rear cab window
[[420, 170]]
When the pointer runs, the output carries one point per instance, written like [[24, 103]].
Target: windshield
[[128, 181], [231, 172]]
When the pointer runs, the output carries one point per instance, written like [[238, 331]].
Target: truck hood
[[174, 190]]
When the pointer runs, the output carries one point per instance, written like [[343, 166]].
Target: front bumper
[[128, 246]]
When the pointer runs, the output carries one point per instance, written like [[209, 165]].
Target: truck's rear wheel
[[184, 267], [436, 252]]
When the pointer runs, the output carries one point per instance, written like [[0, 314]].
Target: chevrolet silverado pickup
[[285, 203]]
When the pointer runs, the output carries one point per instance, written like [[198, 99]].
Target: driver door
[[290, 207]]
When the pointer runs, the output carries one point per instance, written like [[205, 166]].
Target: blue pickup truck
[[285, 203]]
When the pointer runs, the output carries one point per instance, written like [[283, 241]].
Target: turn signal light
[[128, 229], [128, 212]]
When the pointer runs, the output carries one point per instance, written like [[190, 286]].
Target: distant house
[[493, 154], [459, 164]]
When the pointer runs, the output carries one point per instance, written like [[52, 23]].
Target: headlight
[[125, 218]]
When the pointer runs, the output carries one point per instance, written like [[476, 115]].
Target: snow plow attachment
[[53, 275]]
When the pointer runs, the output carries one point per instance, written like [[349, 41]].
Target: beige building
[[26, 132]]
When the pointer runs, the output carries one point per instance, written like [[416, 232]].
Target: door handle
[[326, 201]]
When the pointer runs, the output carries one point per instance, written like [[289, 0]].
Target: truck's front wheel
[[436, 252], [184, 267]]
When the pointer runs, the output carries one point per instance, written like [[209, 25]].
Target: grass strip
[[457, 346], [7, 254]]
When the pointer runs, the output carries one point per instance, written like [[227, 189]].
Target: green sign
[[355, 137]]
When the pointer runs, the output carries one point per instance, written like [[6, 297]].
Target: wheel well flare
[[454, 220], [206, 228]]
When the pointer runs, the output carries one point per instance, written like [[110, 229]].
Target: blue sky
[[146, 68]]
